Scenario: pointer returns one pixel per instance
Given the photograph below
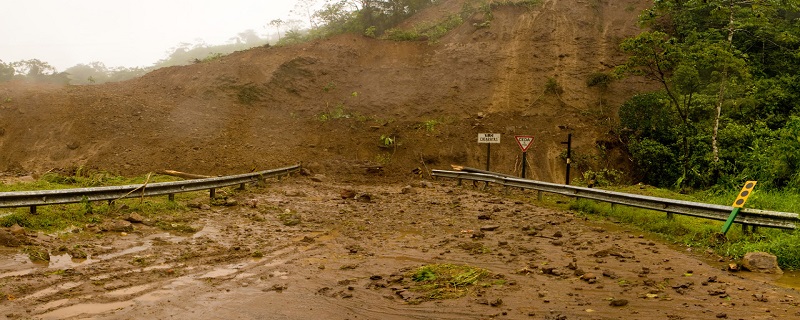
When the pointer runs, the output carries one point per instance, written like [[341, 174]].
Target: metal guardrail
[[33, 199], [752, 217]]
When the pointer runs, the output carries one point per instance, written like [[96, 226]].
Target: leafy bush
[[599, 79]]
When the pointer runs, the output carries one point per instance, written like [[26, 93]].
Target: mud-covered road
[[350, 254]]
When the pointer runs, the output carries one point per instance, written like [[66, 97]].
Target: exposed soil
[[327, 104], [350, 258]]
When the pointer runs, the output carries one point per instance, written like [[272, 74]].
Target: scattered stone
[[722, 315], [347, 194], [760, 297], [135, 218], [425, 184], [618, 303], [557, 242], [589, 277], [490, 227], [363, 197], [761, 262], [230, 202], [557, 234], [318, 178], [16, 230], [733, 267], [277, 288], [484, 216], [496, 302], [8, 239], [407, 189]]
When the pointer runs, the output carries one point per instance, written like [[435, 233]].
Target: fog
[[127, 33]]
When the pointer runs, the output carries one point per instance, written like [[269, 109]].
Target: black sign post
[[569, 155], [488, 139]]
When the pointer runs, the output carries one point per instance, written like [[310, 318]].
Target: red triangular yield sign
[[524, 142]]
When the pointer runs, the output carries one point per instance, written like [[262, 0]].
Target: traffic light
[[746, 191]]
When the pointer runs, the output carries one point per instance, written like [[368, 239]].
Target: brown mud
[[350, 258]]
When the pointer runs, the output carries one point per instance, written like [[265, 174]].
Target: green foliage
[[337, 113], [714, 55], [656, 163], [599, 79], [553, 87], [387, 141], [430, 125], [448, 281]]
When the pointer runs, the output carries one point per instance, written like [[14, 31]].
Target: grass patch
[[704, 233], [449, 281], [60, 217]]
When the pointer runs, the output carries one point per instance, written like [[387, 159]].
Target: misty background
[[96, 41]]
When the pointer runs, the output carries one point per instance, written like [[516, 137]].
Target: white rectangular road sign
[[524, 142], [488, 138]]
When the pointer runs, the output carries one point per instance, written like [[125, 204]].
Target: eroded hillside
[[332, 104]]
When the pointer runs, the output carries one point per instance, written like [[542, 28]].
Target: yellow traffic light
[[746, 191]]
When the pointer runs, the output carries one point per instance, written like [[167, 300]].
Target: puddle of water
[[65, 261], [129, 290], [52, 290], [789, 279], [85, 309], [224, 271], [207, 231]]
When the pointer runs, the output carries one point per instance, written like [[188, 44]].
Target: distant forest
[[334, 17]]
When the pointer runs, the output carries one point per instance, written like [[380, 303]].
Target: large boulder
[[761, 262]]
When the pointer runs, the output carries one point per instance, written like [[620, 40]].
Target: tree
[[6, 71], [277, 24]]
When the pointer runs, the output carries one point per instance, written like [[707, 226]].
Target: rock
[[484, 217], [229, 202], [305, 172], [618, 303], [496, 302], [425, 184], [589, 277], [733, 267], [407, 189], [490, 227], [16, 230], [7, 239], [722, 315], [363, 197], [347, 194], [135, 218], [761, 262], [318, 178]]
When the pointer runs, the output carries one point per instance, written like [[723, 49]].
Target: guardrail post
[[459, 182], [539, 195], [241, 186], [212, 193], [171, 197], [33, 209], [613, 207], [670, 216]]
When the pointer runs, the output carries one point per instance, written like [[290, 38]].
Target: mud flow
[[299, 249]]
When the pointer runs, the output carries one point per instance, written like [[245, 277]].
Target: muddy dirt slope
[[333, 103]]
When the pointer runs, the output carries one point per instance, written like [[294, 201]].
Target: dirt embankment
[[328, 103]]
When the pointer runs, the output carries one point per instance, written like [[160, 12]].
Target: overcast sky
[[125, 33]]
